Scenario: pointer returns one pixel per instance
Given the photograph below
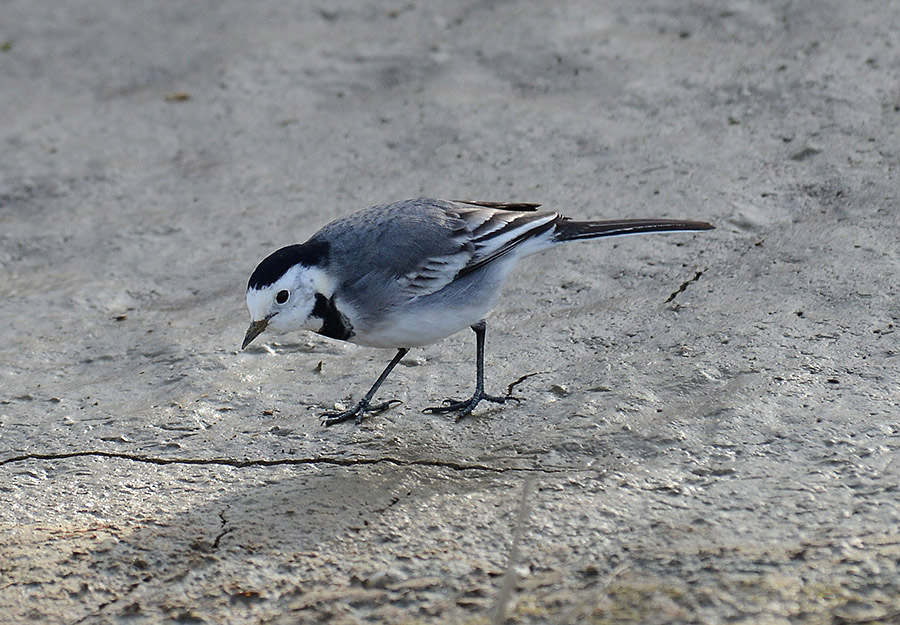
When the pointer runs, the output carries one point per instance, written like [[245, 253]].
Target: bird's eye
[[282, 296]]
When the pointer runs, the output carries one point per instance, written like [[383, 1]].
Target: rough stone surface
[[727, 455]]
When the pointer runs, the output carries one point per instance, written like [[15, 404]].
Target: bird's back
[[389, 238]]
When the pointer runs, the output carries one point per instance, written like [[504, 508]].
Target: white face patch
[[301, 284], [258, 303]]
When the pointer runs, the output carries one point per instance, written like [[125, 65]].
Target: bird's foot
[[357, 412], [464, 407]]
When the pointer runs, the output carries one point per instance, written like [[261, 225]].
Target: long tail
[[567, 230]]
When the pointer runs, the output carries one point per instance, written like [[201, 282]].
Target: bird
[[410, 273]]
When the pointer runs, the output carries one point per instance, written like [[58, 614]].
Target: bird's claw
[[464, 407], [357, 412]]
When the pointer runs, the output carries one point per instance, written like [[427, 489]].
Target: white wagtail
[[407, 274]]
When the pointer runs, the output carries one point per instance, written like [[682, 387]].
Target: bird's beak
[[256, 328]]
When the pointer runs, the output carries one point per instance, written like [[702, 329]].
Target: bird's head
[[286, 290]]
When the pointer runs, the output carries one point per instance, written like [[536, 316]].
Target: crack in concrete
[[262, 462], [683, 286], [224, 531]]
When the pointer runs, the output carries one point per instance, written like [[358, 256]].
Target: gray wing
[[417, 247]]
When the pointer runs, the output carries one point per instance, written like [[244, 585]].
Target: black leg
[[466, 406], [330, 418]]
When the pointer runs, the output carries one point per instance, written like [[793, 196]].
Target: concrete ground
[[710, 432]]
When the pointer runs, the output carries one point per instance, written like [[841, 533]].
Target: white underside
[[420, 327]]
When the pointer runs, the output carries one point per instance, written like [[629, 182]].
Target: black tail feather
[[567, 230]]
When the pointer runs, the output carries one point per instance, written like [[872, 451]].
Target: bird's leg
[[357, 412], [466, 406]]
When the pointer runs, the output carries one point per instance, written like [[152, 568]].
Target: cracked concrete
[[271, 462], [710, 421]]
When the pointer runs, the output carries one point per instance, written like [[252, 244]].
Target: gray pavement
[[731, 454]]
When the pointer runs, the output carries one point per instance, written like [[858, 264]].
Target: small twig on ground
[[509, 389]]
